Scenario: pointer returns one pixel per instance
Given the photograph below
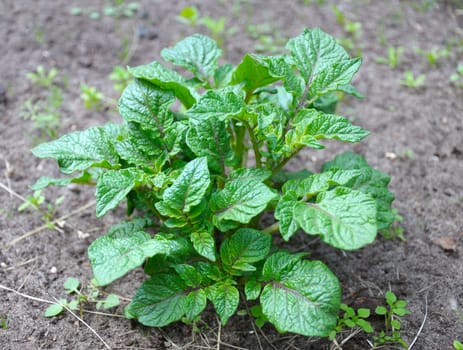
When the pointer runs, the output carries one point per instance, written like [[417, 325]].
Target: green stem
[[272, 228], [240, 147], [255, 145], [285, 160]]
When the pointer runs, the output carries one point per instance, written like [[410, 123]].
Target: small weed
[[352, 29], [434, 55], [270, 40], [93, 98], [395, 230], [38, 202], [121, 78], [39, 36], [411, 81], [112, 8], [4, 323], [457, 77], [191, 16], [44, 112], [45, 118], [43, 78], [394, 309], [394, 55], [71, 286], [352, 319], [457, 345], [424, 5]]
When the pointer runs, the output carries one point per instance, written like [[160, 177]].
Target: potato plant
[[199, 160]]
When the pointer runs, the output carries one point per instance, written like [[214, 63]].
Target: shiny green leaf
[[197, 53], [303, 299]]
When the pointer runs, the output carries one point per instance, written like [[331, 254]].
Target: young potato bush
[[198, 178]]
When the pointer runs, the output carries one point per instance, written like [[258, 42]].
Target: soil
[[416, 137]]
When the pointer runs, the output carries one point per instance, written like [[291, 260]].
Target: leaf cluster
[[199, 159]]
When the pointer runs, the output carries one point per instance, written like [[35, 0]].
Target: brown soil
[[422, 127]]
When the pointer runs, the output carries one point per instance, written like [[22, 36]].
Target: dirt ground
[[417, 137]]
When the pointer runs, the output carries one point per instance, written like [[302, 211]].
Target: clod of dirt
[[447, 243]]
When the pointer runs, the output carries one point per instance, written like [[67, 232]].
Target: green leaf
[[210, 138], [320, 182], [189, 275], [115, 254], [304, 298], [381, 310], [323, 64], [112, 300], [166, 79], [334, 78], [159, 301], [344, 218], [204, 244], [250, 175], [54, 309], [284, 213], [252, 289], [225, 299], [312, 125], [240, 201], [45, 181], [80, 150], [113, 186], [197, 53], [71, 284], [365, 325], [147, 104], [370, 181], [253, 72], [363, 312], [315, 50], [118, 252], [219, 104], [244, 247], [195, 303], [189, 187]]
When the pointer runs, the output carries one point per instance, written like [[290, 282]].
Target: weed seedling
[[92, 98], [217, 27], [392, 311], [352, 29], [43, 78], [121, 78], [3, 322], [434, 55], [411, 81], [395, 230], [71, 287], [37, 202], [351, 319], [45, 112], [457, 345], [113, 8], [393, 57], [189, 15], [457, 77], [200, 161]]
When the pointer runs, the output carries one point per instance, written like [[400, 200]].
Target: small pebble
[[2, 264], [390, 155], [53, 269]]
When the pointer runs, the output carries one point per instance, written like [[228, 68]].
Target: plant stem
[[240, 148], [285, 160], [272, 228], [255, 145]]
